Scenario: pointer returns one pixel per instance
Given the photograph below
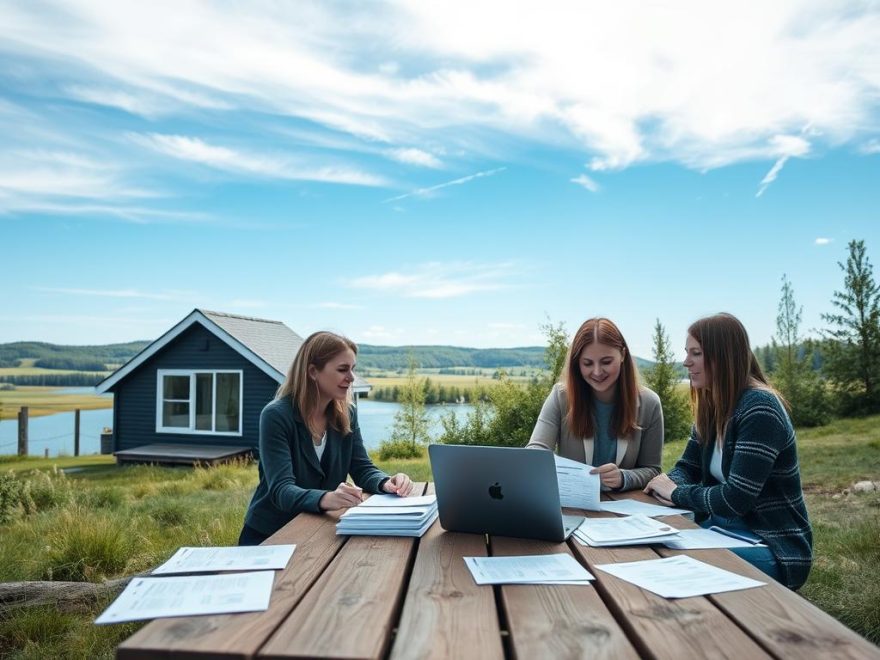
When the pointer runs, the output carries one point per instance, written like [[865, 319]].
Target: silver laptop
[[499, 490]]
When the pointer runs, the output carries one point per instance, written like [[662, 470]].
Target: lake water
[[55, 432]]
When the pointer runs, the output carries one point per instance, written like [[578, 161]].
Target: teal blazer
[[292, 480]]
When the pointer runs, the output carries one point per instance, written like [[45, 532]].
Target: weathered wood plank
[[557, 621], [659, 627], [445, 614], [241, 635], [351, 609], [780, 620]]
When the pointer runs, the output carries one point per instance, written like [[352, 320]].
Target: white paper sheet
[[153, 598], [628, 528], [634, 507], [236, 558], [559, 568], [388, 499], [700, 539], [679, 577], [577, 487]]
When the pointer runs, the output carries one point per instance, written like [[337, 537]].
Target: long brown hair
[[318, 349], [580, 395], [731, 367]]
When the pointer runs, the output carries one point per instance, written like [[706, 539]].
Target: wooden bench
[[378, 597]]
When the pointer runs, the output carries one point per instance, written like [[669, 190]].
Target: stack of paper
[[530, 569], [629, 530], [389, 515]]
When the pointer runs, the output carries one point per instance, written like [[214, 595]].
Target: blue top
[[604, 445]]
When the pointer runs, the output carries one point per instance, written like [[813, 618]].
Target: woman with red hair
[[599, 415]]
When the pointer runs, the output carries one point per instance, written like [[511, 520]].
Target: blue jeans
[[760, 558]]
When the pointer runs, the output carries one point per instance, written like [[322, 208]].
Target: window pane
[[228, 403], [175, 414], [176, 387], [204, 397]]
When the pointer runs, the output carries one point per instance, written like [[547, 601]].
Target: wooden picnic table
[[388, 597]]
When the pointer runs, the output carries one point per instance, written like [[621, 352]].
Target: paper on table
[[396, 501], [243, 558], [700, 539], [632, 507], [679, 577], [559, 568], [577, 487], [621, 531], [153, 598]]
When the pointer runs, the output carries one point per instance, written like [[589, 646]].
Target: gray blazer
[[638, 454]]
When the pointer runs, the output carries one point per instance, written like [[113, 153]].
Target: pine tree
[[852, 350], [411, 421], [664, 379]]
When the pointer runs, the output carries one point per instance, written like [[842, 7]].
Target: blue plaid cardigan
[[763, 485]]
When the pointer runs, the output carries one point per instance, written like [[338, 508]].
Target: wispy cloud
[[788, 146], [336, 305], [426, 192], [413, 156], [823, 241], [870, 147], [586, 182], [121, 293], [439, 280], [262, 165]]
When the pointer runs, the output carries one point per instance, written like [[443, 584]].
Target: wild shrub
[[10, 497], [47, 490], [101, 498], [391, 449]]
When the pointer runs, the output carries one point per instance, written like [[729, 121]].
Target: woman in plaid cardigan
[[740, 470]]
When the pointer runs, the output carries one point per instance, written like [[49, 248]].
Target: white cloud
[[120, 293], [426, 192], [439, 280], [413, 156], [788, 146], [263, 165], [697, 83], [586, 182], [870, 147], [824, 241]]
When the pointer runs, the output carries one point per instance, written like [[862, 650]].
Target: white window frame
[[191, 430]]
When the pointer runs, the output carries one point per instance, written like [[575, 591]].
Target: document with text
[[235, 558], [633, 507], [577, 487], [679, 577], [559, 568], [157, 597]]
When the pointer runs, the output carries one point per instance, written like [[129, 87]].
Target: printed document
[[701, 539], [243, 558], [679, 577], [577, 487], [389, 500], [599, 532], [153, 598], [633, 507], [560, 568]]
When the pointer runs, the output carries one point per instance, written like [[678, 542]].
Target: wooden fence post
[[23, 431], [76, 433]]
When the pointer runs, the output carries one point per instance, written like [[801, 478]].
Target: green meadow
[[86, 519]]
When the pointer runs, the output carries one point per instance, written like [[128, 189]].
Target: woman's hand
[[343, 497], [610, 475], [661, 488], [399, 484]]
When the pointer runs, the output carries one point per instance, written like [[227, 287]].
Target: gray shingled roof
[[273, 341]]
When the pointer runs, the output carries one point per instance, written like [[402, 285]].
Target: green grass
[[47, 400], [103, 521]]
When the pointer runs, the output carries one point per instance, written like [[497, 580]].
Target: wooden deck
[[400, 598], [171, 454]]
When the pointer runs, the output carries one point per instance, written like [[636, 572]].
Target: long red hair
[[581, 400]]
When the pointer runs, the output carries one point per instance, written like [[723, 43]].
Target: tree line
[[837, 373]]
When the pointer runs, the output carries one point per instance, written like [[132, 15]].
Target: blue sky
[[433, 172]]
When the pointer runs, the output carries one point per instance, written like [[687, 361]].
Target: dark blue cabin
[[201, 386]]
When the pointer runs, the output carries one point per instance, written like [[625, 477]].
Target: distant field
[[30, 370], [449, 380], [47, 401]]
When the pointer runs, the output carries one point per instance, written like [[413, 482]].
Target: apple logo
[[495, 491]]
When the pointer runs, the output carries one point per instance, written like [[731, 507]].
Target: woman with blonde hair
[[599, 415], [310, 442], [740, 469]]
